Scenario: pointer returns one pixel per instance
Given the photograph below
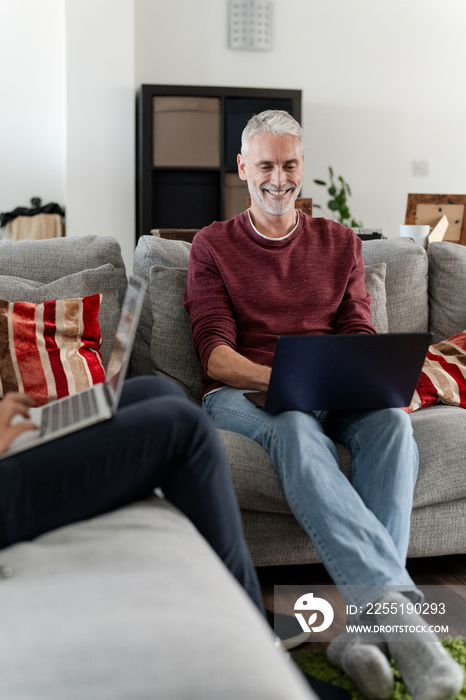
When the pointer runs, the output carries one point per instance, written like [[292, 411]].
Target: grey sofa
[[411, 291], [131, 605]]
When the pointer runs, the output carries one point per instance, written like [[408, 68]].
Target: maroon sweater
[[244, 290]]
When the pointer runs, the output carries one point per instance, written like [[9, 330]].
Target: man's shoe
[[287, 629]]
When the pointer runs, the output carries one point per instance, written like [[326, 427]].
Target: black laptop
[[344, 372]]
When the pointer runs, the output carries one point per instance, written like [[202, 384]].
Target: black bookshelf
[[190, 195]]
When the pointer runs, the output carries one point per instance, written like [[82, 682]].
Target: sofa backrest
[[396, 277], [61, 268]]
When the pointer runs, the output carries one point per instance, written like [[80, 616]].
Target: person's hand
[[11, 405], [231, 368]]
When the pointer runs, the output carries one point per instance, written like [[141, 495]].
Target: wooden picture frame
[[428, 209]]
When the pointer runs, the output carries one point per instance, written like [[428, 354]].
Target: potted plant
[[339, 191]]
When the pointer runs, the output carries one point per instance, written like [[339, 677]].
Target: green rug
[[315, 664]]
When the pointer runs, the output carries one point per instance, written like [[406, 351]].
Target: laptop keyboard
[[59, 414]]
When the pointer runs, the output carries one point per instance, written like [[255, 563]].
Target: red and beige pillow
[[50, 349], [443, 376]]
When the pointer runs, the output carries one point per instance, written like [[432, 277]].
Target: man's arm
[[213, 324], [354, 313], [227, 366]]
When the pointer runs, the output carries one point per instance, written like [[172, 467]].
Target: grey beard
[[280, 206]]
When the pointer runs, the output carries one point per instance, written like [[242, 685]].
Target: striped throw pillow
[[50, 350], [443, 376]]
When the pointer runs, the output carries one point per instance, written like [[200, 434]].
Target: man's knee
[[398, 420]]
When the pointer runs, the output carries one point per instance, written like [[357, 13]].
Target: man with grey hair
[[273, 271], [273, 122]]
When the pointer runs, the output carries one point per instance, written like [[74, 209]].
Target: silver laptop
[[100, 401], [344, 372]]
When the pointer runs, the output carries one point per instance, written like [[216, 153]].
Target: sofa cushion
[[257, 488], [50, 350], [439, 433], [405, 282], [447, 289], [443, 376], [375, 284], [171, 347], [133, 605], [48, 260], [164, 345], [256, 483], [101, 280], [149, 252]]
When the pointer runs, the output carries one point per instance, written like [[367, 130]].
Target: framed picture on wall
[[428, 209]]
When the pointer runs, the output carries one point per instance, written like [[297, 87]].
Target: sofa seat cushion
[[256, 483], [133, 604], [439, 433], [436, 530]]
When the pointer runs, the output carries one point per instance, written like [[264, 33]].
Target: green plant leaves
[[338, 198]]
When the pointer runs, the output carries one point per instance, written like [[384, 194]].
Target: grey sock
[[428, 670], [364, 660]]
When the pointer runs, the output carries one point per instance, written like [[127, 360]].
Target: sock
[[427, 669], [364, 660]]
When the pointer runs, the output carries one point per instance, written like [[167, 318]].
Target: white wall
[[67, 112], [32, 113], [100, 106], [381, 80], [382, 85]]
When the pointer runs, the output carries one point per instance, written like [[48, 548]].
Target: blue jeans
[[158, 438], [359, 527]]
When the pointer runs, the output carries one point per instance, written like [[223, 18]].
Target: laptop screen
[[124, 337]]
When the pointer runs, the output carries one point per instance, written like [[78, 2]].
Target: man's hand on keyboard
[[14, 404]]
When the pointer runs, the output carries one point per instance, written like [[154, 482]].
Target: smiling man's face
[[273, 169]]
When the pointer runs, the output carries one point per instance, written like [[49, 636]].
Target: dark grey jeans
[[158, 438]]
